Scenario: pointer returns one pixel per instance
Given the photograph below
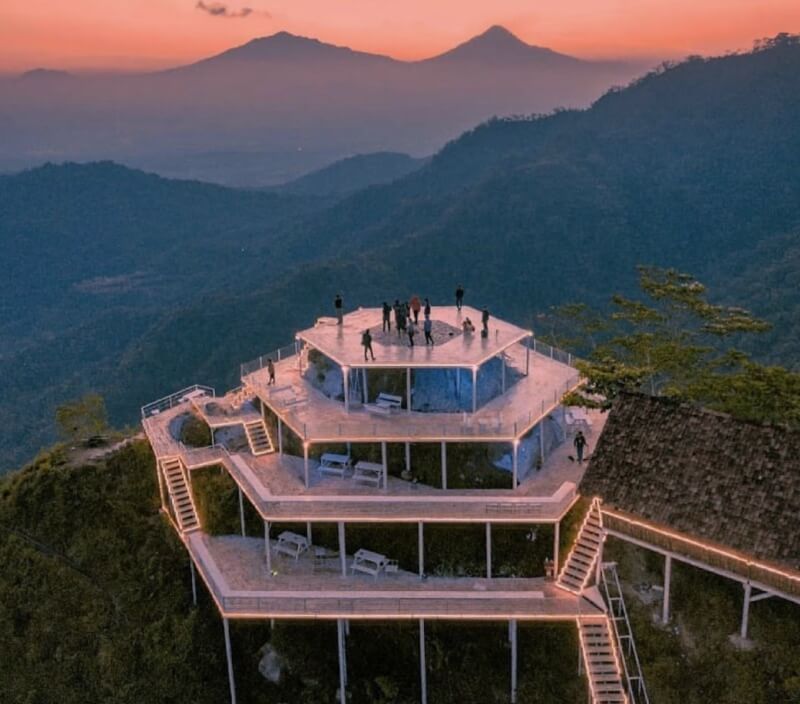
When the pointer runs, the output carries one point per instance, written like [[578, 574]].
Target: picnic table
[[291, 544], [385, 404], [372, 563], [368, 473], [332, 463], [577, 417]]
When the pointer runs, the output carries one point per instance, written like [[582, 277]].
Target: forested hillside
[[696, 166]]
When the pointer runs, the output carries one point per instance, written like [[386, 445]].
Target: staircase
[[179, 493], [581, 560], [600, 657], [258, 438], [618, 613]]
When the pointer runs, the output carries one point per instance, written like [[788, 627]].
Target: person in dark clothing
[[580, 445], [459, 296], [412, 330], [271, 372], [398, 314], [427, 308], [427, 326], [485, 321], [415, 306], [387, 317], [338, 303], [366, 341]]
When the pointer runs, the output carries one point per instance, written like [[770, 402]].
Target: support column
[[745, 610], [503, 371], [541, 441], [444, 465], [305, 465], [280, 437], [421, 549], [515, 464], [194, 582], [267, 550], [346, 382], [364, 394], [408, 389], [241, 510], [342, 666], [598, 568], [512, 636], [423, 673], [408, 457], [474, 389], [231, 682], [342, 549], [384, 460], [528, 357], [161, 490], [667, 582], [556, 546], [458, 382], [488, 550], [308, 532]]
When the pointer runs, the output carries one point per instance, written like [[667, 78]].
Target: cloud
[[219, 9]]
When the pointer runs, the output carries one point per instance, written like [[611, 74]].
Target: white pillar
[[342, 549], [161, 486], [408, 389], [598, 568], [194, 582], [528, 357], [241, 510], [421, 548], [488, 550], [280, 437], [667, 582], [556, 546], [385, 462], [512, 631], [503, 371], [308, 532], [230, 659], [305, 465], [408, 457], [474, 389], [423, 674], [541, 441], [267, 550], [364, 394], [342, 666], [444, 465], [458, 382], [745, 610], [346, 383], [515, 464]]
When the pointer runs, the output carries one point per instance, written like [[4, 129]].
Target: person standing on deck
[[366, 341], [337, 305], [398, 312], [459, 296], [427, 326], [271, 372], [387, 317], [412, 330], [485, 320], [416, 307], [427, 308], [580, 445]]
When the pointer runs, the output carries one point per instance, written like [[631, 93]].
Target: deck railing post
[[444, 465], [231, 682], [267, 550], [513, 638], [423, 674], [342, 666], [421, 548], [342, 548], [488, 550]]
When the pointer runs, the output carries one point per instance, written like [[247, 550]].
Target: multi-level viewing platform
[[469, 430]]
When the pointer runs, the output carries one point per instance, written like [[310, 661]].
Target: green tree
[[82, 418]]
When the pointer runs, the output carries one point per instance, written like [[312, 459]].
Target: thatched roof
[[702, 473]]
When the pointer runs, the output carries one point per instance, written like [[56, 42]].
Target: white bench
[[368, 473], [291, 544], [196, 393], [331, 463], [385, 404], [369, 562]]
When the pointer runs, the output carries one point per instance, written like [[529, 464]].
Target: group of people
[[406, 318]]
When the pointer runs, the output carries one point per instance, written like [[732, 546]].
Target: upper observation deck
[[452, 346]]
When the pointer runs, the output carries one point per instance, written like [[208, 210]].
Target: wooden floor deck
[[315, 417], [235, 572]]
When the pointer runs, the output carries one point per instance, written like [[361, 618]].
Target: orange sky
[[141, 34]]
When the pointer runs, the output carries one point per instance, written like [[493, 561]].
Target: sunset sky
[[144, 34]]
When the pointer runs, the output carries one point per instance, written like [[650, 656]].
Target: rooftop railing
[[175, 399], [260, 362]]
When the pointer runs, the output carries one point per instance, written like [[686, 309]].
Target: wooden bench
[[369, 562], [331, 463], [291, 544], [385, 404], [368, 473]]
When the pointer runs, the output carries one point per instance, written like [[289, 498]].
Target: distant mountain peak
[[499, 45], [36, 74]]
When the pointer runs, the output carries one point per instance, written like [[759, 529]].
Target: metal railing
[[276, 356], [546, 350], [175, 399]]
